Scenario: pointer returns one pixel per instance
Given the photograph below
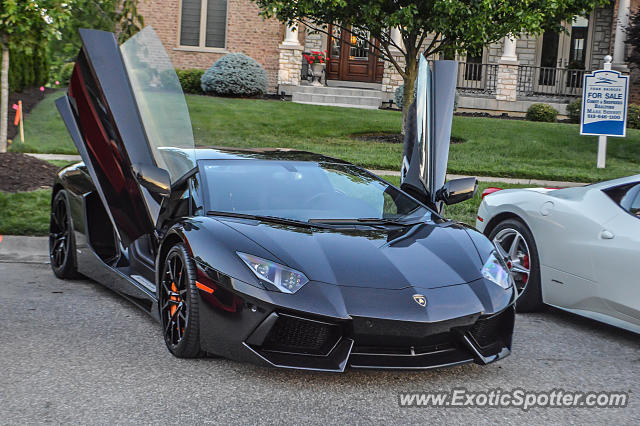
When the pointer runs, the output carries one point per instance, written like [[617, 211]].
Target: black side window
[[626, 196], [197, 207], [631, 200]]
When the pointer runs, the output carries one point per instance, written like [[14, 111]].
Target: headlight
[[495, 270], [287, 280]]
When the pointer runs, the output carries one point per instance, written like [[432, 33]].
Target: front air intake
[[492, 333], [299, 335]]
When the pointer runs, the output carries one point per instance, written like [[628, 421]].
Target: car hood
[[425, 255]]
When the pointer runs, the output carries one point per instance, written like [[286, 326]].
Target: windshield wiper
[[271, 219], [364, 221]]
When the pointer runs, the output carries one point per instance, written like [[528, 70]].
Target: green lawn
[[492, 147], [61, 163], [27, 213]]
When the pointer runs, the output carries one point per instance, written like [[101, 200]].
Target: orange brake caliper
[[176, 298]]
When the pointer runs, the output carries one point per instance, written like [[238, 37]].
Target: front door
[[352, 56]]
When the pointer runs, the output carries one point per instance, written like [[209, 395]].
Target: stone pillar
[[507, 79], [391, 78], [620, 36], [290, 61]]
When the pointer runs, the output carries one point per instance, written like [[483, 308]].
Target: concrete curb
[[533, 182], [21, 249], [62, 157]]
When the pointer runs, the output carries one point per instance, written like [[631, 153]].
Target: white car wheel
[[515, 243]]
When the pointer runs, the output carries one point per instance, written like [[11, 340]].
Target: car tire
[[178, 303], [530, 296], [62, 244]]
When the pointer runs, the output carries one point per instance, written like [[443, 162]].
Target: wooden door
[[355, 60]]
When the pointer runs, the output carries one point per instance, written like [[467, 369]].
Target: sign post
[[604, 106]]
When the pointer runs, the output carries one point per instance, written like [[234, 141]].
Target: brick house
[[505, 77]]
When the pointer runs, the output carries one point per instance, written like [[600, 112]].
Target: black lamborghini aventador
[[272, 256]]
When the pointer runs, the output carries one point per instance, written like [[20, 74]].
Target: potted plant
[[317, 61]]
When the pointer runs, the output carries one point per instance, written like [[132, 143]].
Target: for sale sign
[[604, 104]]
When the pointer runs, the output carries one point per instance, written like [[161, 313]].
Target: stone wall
[[247, 32], [314, 40], [601, 40], [526, 47]]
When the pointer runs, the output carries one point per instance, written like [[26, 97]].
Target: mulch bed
[[21, 172], [391, 138], [30, 98]]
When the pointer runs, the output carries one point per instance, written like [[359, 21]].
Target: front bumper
[[329, 328], [289, 341]]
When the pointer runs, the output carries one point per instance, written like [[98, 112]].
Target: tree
[[430, 26], [119, 16], [23, 25]]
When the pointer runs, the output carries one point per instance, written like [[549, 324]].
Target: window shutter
[[216, 23], [190, 23]]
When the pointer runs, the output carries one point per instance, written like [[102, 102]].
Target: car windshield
[[303, 191]]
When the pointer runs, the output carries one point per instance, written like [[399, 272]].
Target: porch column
[[396, 37], [620, 36], [391, 78], [291, 36], [290, 61], [509, 50], [507, 78]]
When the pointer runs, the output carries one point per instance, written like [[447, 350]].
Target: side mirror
[[457, 190], [154, 179]]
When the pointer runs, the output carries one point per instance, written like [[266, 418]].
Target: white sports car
[[577, 249]]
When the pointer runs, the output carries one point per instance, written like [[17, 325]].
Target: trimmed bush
[[169, 80], [542, 112], [574, 110], [633, 116], [28, 70], [399, 94], [190, 80], [235, 74], [65, 73]]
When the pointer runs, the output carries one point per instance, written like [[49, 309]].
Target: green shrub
[[235, 74], [65, 73], [28, 70], [399, 94], [169, 79], [190, 80], [542, 112], [574, 110], [633, 116]]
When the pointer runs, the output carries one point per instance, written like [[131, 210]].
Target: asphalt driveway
[[73, 351]]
